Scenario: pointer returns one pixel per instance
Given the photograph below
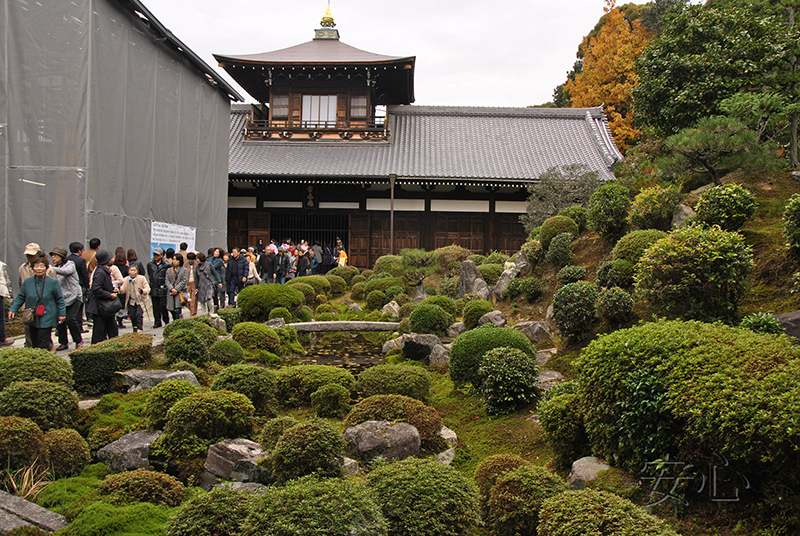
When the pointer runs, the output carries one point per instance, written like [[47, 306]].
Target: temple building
[[334, 147]]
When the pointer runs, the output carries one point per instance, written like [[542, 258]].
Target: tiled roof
[[319, 51], [433, 142]]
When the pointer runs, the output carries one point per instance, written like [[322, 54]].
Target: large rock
[[382, 439], [237, 460], [448, 436], [505, 278], [536, 331], [276, 323], [791, 324], [493, 317], [16, 512], [216, 322], [420, 294], [420, 347], [469, 279], [683, 213], [392, 308], [482, 290], [354, 307], [585, 470], [455, 330], [129, 452], [525, 268], [137, 380], [446, 457]]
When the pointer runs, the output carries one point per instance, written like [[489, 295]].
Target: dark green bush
[[309, 294], [407, 308], [413, 382], [142, 485], [226, 352], [608, 211], [574, 308], [791, 227], [357, 279], [283, 312], [477, 259], [507, 380], [555, 226], [632, 246], [560, 251], [532, 251], [357, 292], [474, 310], [162, 397], [273, 430], [695, 273], [231, 316], [21, 442], [392, 292], [530, 288], [571, 274], [256, 383], [491, 469], [577, 513], [95, 367], [338, 284], [762, 323], [203, 330], [424, 498], [491, 272], [347, 273], [391, 264], [221, 512], [398, 408], [318, 282], [25, 364], [327, 317], [256, 302], [310, 447], [578, 214], [330, 400], [297, 383], [728, 206], [49, 405], [303, 314], [313, 507], [615, 306], [255, 336], [517, 497], [562, 420], [618, 273], [469, 348], [402, 299], [67, 452], [375, 300], [186, 345], [108, 519], [430, 318], [652, 208]]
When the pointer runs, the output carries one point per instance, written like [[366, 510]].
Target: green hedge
[[297, 383], [311, 447], [24, 364], [49, 405], [555, 226], [95, 367], [632, 246], [410, 381], [317, 282], [256, 302], [469, 348]]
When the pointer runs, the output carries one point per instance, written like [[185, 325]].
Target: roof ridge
[[504, 111]]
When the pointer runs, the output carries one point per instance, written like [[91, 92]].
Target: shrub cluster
[[67, 452], [491, 272], [226, 352], [345, 272], [507, 380], [491, 469], [273, 430], [555, 226], [200, 328], [142, 485], [256, 383], [330, 400], [652, 208], [186, 345], [221, 512], [445, 302], [25, 364], [296, 384], [562, 421], [574, 308], [762, 323], [398, 408], [450, 254], [256, 336], [469, 348], [375, 300], [474, 310], [530, 287], [560, 251], [578, 214], [391, 264], [21, 442], [95, 367], [338, 284], [430, 318], [571, 274], [310, 447], [632, 246], [615, 306], [317, 282], [617, 273], [729, 206], [162, 397], [410, 381], [49, 405], [256, 302], [608, 211], [516, 498]]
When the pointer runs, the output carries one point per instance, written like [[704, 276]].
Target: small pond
[[354, 351]]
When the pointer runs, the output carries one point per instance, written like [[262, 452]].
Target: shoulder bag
[[27, 314]]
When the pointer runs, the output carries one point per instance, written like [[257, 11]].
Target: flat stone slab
[[344, 325], [139, 380], [29, 513], [129, 452]]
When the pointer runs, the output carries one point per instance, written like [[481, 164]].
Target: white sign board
[[168, 235]]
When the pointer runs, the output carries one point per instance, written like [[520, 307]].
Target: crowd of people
[[57, 292]]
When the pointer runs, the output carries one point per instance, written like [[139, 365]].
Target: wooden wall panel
[[466, 230], [512, 234], [359, 246]]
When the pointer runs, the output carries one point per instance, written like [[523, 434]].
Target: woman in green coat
[[41, 294]]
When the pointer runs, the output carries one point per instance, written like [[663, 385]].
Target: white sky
[[477, 53]]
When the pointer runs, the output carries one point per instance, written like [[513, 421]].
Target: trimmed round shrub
[[382, 282], [357, 279], [652, 208], [571, 274], [574, 308], [283, 312], [317, 282], [200, 373], [530, 288], [25, 364], [419, 497], [226, 352], [469, 348], [560, 251], [142, 485], [357, 292], [695, 273], [398, 408], [474, 310], [578, 214], [632, 246], [491, 272], [21, 442], [562, 421], [338, 284], [330, 400], [255, 336], [729, 206], [313, 507], [391, 264], [608, 211], [555, 226], [310, 447], [49, 405], [273, 430], [297, 383], [256, 383], [402, 299], [231, 316], [407, 308], [791, 226], [477, 259], [200, 328], [325, 308], [618, 273], [375, 300], [162, 397], [347, 273], [516, 498], [404, 326], [392, 292], [221, 512], [762, 323], [67, 452], [577, 513], [615, 306], [304, 314], [491, 469], [327, 317], [309, 294], [532, 251], [410, 381], [495, 257], [507, 380], [202, 419], [186, 345], [430, 318], [255, 302]]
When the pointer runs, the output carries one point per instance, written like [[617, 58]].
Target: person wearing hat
[[43, 295], [67, 275], [157, 274], [32, 251], [102, 288]]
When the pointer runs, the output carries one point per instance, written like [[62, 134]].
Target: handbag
[[109, 307], [27, 314]]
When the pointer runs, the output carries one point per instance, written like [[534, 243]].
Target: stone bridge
[[344, 325]]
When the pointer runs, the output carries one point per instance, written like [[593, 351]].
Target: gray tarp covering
[[105, 130]]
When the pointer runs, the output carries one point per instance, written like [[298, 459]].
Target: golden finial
[[327, 18]]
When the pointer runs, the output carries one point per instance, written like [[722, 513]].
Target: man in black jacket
[[157, 274], [236, 276], [75, 251]]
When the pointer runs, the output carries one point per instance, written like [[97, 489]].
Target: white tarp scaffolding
[[109, 124]]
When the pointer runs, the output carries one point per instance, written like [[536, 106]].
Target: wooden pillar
[[427, 233], [492, 227]]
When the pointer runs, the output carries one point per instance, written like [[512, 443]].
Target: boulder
[[354, 307], [449, 436], [548, 315], [468, 279], [382, 439], [446, 457], [420, 347], [585, 470], [683, 213], [216, 322], [276, 323], [505, 278], [137, 380], [455, 330], [237, 460], [420, 294], [536, 331], [439, 356], [129, 452], [493, 317], [509, 264], [482, 290], [791, 324], [392, 308], [548, 379], [543, 356], [350, 467], [525, 268]]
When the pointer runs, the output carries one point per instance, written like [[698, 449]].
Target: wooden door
[[466, 230], [258, 228], [512, 234], [358, 243]]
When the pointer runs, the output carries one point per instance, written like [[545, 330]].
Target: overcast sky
[[478, 53]]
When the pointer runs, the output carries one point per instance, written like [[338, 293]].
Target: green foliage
[[311, 447], [21, 442], [357, 292], [67, 452], [283, 312], [560, 251], [577, 513], [357, 279], [516, 498], [256, 383], [338, 284], [562, 420], [327, 317], [303, 314], [418, 264], [95, 367], [608, 211], [115, 415], [319, 283], [430, 318], [199, 373], [226, 352], [231, 316], [220, 512], [474, 310], [49, 405], [574, 308], [345, 272], [571, 274], [532, 251], [142, 485], [398, 408], [312, 507], [477, 259], [507, 380], [445, 302], [496, 257], [297, 383], [491, 469], [762, 323], [413, 382], [330, 400], [25, 364], [791, 229], [162, 397], [556, 191], [632, 246], [257, 301], [491, 272], [615, 306], [695, 273], [529, 287], [407, 308], [186, 345], [452, 254], [469, 348], [203, 330], [424, 498], [273, 430], [107, 519], [578, 214], [555, 226], [309, 295], [375, 300], [653, 207], [391, 264], [255, 336], [27, 530], [617, 273], [729, 206]]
